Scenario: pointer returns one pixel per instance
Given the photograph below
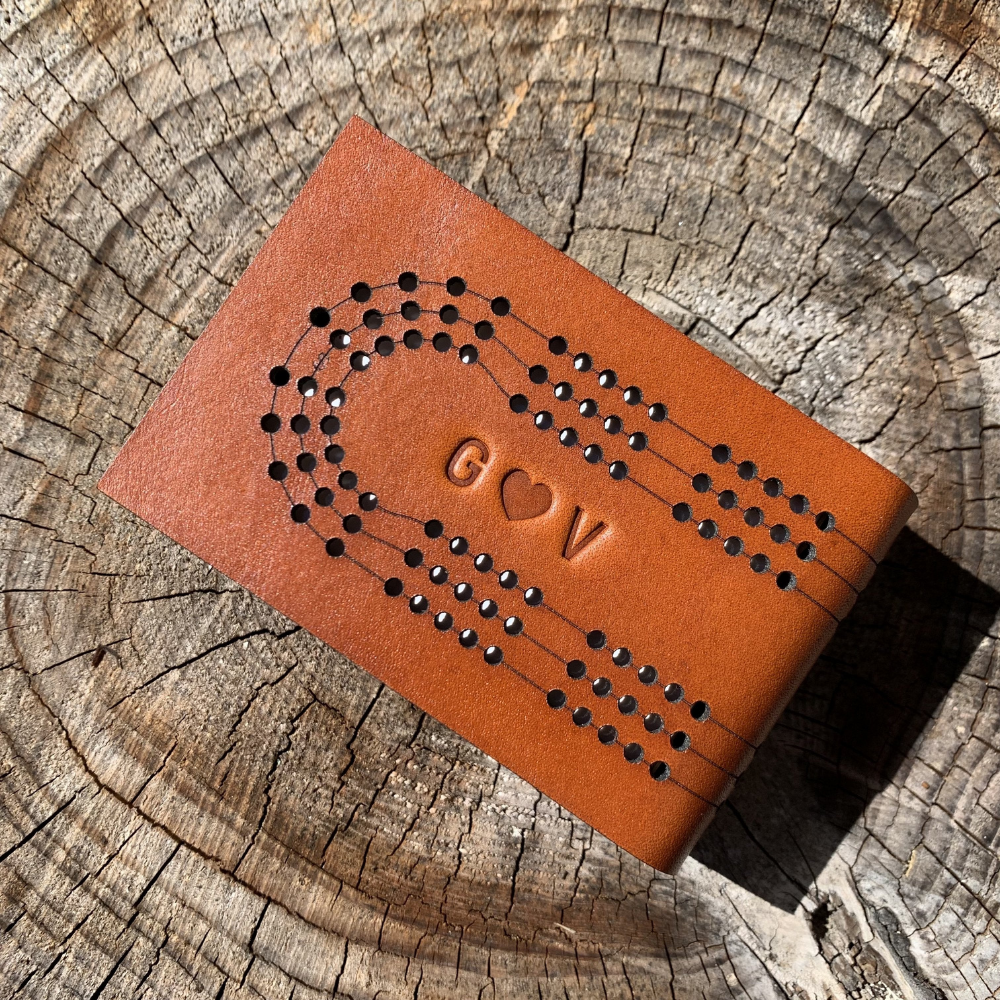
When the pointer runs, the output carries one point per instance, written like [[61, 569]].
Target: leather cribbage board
[[518, 498]]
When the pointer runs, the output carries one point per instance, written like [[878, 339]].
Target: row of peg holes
[[608, 379]]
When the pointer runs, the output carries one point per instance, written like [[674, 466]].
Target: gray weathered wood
[[197, 798]]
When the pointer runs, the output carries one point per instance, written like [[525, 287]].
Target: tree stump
[[199, 799]]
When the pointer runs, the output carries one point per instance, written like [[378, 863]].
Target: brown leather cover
[[435, 436]]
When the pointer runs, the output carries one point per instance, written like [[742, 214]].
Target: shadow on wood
[[850, 728]]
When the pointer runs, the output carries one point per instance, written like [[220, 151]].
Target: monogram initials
[[522, 499]]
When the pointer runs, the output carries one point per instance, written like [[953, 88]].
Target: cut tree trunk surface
[[197, 798]]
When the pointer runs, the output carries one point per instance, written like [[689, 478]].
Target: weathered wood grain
[[197, 798]]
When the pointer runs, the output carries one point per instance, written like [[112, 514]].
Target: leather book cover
[[521, 500]]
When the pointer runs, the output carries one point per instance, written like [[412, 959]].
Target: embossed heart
[[523, 499]]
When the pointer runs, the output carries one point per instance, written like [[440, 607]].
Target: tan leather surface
[[197, 469]]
